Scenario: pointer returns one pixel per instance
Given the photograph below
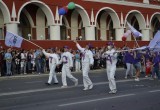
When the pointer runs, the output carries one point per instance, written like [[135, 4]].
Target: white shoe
[[113, 92], [65, 86], [146, 76], [125, 77], [136, 79], [85, 89], [76, 83], [90, 87]]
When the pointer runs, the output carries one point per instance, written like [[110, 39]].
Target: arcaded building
[[91, 20]]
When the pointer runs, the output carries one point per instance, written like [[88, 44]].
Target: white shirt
[[66, 59], [53, 58], [87, 55], [111, 56]]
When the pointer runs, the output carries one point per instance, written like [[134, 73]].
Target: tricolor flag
[[13, 40], [134, 31]]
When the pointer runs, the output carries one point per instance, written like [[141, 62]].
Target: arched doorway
[[136, 19], [1, 25], [4, 18], [39, 16], [108, 21], [155, 24]]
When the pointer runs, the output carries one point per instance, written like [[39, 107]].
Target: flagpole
[[135, 40], [33, 43]]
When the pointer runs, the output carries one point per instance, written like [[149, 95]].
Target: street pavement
[[29, 92]]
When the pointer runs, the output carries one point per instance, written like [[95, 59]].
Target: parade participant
[[137, 63], [111, 60], [156, 61], [53, 61], [87, 62], [66, 60], [128, 59], [77, 61]]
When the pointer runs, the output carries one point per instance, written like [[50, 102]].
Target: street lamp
[[111, 38], [41, 37], [68, 37], [29, 36], [101, 38], [80, 37]]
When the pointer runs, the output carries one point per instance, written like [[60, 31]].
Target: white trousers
[[111, 73], [78, 66], [52, 74], [85, 71], [66, 72]]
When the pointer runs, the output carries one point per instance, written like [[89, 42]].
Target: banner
[[155, 42], [134, 31], [13, 40]]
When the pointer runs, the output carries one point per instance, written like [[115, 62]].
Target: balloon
[[124, 38], [71, 5], [136, 34], [62, 11]]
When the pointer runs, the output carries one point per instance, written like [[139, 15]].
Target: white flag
[[134, 31], [13, 40]]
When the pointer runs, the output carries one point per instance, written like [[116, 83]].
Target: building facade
[[90, 20]]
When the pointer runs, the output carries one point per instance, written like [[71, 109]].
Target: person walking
[[128, 60], [111, 61], [53, 62], [77, 61], [67, 62], [87, 62]]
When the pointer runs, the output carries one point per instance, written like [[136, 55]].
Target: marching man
[[111, 60], [53, 61], [87, 61], [67, 62]]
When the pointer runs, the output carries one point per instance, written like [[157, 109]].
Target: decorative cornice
[[117, 2]]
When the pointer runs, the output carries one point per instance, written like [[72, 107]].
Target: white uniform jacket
[[111, 57], [53, 58], [87, 55], [66, 59]]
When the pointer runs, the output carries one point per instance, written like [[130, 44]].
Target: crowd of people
[[20, 61], [65, 59]]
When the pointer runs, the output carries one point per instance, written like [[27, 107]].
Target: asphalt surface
[[29, 92]]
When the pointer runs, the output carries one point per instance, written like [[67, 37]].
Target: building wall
[[87, 12]]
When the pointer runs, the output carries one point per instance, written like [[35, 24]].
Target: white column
[[146, 35], [12, 27], [55, 32], [90, 33], [119, 33]]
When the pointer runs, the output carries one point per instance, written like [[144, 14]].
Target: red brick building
[[95, 21]]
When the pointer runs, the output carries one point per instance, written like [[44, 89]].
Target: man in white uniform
[[53, 61], [111, 60], [87, 62], [67, 62]]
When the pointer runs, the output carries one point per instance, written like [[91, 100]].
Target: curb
[[46, 74]]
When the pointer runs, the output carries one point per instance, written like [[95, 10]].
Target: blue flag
[[155, 42], [13, 40]]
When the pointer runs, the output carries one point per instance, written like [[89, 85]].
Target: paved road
[[30, 93]]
